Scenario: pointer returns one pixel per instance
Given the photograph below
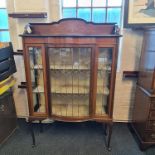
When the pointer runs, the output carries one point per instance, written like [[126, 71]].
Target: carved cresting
[[73, 26]]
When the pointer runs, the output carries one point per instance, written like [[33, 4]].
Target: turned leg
[[32, 134], [105, 129], [110, 126], [41, 126]]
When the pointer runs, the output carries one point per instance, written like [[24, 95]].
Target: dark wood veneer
[[73, 27]]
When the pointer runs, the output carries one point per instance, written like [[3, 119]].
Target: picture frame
[[139, 13]]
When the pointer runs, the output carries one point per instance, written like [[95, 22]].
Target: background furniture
[[144, 110], [70, 71], [7, 63], [7, 107], [7, 116]]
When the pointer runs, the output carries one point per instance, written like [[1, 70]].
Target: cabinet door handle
[[2, 108]]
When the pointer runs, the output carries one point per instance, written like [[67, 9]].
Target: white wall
[[125, 88]]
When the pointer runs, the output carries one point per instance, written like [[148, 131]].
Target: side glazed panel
[[104, 71], [36, 79]]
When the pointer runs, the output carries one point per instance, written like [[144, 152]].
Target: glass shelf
[[38, 89], [70, 110], [101, 90], [62, 67], [70, 104], [74, 67], [37, 67], [76, 110], [101, 68], [68, 90]]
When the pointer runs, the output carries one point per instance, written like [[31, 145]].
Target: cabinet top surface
[[72, 27]]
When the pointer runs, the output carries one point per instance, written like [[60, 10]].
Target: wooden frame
[[139, 14]]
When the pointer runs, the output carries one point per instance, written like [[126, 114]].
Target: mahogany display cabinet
[[70, 71]]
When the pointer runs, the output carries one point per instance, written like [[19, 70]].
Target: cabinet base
[[142, 144]]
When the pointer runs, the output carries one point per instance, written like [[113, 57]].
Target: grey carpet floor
[[72, 139]]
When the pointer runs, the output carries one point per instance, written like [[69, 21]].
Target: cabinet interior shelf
[[70, 110], [70, 91], [75, 110], [28, 15], [62, 67], [39, 67]]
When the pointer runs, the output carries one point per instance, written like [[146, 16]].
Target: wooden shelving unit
[[28, 15]]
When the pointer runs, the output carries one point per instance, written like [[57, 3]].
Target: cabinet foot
[[109, 149], [144, 146]]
